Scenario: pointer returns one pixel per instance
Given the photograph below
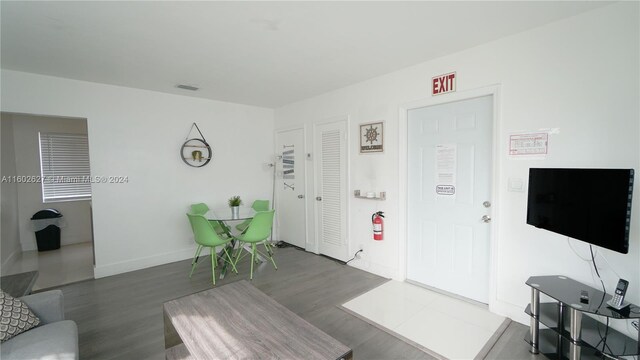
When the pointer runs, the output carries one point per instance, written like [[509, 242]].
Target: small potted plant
[[234, 204]]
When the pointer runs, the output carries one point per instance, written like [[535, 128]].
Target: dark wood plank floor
[[120, 317]]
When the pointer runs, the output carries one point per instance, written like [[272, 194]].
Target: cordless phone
[[617, 302]]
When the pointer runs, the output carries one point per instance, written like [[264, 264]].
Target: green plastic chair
[[258, 205], [258, 232], [201, 209], [206, 236]]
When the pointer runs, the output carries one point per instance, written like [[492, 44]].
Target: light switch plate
[[516, 185]]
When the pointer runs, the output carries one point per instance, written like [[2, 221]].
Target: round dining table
[[223, 215], [226, 214]]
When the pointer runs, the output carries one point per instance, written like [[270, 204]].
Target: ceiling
[[258, 53]]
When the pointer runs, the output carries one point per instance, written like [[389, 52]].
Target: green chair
[[206, 236], [258, 205], [201, 209], [257, 232]]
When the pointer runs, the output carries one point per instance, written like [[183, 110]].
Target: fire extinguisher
[[378, 225]]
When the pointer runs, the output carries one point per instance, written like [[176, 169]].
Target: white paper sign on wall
[[529, 144]]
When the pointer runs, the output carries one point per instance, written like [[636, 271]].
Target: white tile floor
[[68, 264], [452, 328]]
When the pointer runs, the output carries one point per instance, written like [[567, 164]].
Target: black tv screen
[[592, 205]]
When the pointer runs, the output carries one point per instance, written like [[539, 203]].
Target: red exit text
[[444, 83]]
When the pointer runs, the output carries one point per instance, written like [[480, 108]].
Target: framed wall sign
[[371, 137]]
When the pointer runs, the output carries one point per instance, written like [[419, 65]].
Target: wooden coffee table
[[238, 321]]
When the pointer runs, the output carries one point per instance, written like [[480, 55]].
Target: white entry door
[[449, 196], [331, 189], [290, 187]]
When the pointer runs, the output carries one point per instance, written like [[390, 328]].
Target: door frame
[[497, 148], [304, 170], [315, 248]]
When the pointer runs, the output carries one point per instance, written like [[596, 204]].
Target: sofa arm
[[48, 305]]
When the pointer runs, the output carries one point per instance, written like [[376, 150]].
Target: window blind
[[64, 164]]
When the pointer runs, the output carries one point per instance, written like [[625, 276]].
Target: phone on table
[[617, 302]]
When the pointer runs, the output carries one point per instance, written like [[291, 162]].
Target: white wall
[[10, 240], [138, 134], [579, 75], [77, 216]]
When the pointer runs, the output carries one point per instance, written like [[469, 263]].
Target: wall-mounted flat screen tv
[[592, 205]]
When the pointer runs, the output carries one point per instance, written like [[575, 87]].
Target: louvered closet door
[[331, 189]]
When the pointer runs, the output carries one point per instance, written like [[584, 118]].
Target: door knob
[[486, 218], [319, 198], [300, 196]]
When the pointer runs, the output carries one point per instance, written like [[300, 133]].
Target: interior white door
[[290, 187], [449, 191], [331, 189]]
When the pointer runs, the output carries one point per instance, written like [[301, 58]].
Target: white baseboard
[[70, 240], [143, 263], [32, 244], [373, 268], [514, 312]]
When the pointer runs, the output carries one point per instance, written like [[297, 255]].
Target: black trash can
[[46, 224]]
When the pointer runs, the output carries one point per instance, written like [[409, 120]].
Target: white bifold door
[[449, 196], [331, 188]]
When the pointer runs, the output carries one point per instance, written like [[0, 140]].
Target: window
[[64, 166]]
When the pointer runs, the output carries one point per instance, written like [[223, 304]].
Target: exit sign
[[443, 84]]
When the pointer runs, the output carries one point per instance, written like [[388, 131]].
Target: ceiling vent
[[187, 87]]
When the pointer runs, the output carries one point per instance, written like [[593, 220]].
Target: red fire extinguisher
[[378, 225]]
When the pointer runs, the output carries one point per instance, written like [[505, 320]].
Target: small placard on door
[[445, 189]]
